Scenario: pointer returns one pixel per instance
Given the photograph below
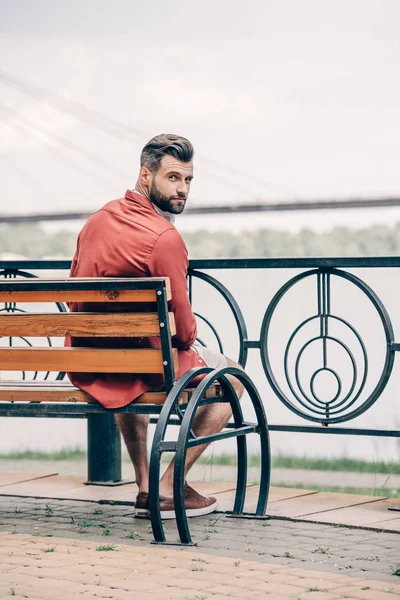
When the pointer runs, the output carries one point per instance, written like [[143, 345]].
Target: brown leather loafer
[[142, 505]]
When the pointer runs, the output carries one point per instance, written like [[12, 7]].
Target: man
[[135, 236]]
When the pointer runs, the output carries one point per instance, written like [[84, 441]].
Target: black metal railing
[[319, 365]]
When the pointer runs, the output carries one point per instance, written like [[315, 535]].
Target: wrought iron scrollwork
[[346, 401], [233, 306]]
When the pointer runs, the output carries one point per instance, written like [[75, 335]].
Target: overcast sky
[[282, 99]]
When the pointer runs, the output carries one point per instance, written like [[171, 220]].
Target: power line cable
[[97, 118], [89, 155], [115, 127], [56, 151]]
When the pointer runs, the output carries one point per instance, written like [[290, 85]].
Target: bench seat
[[61, 391]]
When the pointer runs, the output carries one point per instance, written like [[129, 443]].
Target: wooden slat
[[78, 295], [26, 393], [56, 392], [159, 397], [84, 360], [81, 296], [82, 324]]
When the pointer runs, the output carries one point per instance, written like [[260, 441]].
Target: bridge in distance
[[294, 205]]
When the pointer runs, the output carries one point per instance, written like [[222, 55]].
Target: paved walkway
[[70, 549], [60, 538]]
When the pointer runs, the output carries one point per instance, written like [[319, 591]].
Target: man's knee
[[237, 386]]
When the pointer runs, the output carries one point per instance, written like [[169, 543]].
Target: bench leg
[[241, 443], [185, 434], [185, 439], [104, 451], [265, 449], [159, 446]]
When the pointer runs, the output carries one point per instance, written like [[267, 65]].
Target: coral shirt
[[129, 238]]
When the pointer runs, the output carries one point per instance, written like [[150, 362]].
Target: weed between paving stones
[[132, 534], [321, 550], [106, 529], [49, 549]]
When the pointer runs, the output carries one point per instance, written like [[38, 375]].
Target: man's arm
[[169, 258]]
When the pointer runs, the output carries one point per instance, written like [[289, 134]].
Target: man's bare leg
[[209, 419], [134, 432]]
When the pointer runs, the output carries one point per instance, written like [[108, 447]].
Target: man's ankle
[[166, 491]]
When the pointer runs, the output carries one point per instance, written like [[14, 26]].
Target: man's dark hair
[[165, 143]]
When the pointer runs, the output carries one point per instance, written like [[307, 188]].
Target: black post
[[104, 451]]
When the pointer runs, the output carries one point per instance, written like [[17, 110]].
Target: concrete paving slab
[[392, 525], [226, 499], [361, 515], [284, 493], [213, 487], [124, 494], [318, 503], [11, 477], [55, 486]]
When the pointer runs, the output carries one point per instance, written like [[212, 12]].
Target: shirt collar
[[167, 215]]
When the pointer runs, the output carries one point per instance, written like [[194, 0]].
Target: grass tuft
[[321, 550], [132, 534], [49, 549]]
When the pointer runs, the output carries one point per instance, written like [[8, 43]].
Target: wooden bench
[[177, 404]]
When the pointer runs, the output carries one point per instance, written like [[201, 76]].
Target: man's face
[[170, 185]]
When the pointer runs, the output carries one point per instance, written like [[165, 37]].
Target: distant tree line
[[32, 241]]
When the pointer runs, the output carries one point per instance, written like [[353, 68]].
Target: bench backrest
[[157, 323]]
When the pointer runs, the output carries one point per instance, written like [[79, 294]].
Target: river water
[[253, 290]]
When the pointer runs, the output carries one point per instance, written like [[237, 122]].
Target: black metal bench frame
[[171, 412]]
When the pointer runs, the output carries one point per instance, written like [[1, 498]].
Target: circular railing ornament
[[315, 389]]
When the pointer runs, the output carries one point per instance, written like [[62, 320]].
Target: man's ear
[[145, 176]]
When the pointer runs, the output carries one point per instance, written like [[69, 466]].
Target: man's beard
[[165, 203]]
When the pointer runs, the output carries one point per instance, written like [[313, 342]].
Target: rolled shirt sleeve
[[169, 258]]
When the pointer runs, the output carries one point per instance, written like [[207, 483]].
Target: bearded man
[[135, 236]]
